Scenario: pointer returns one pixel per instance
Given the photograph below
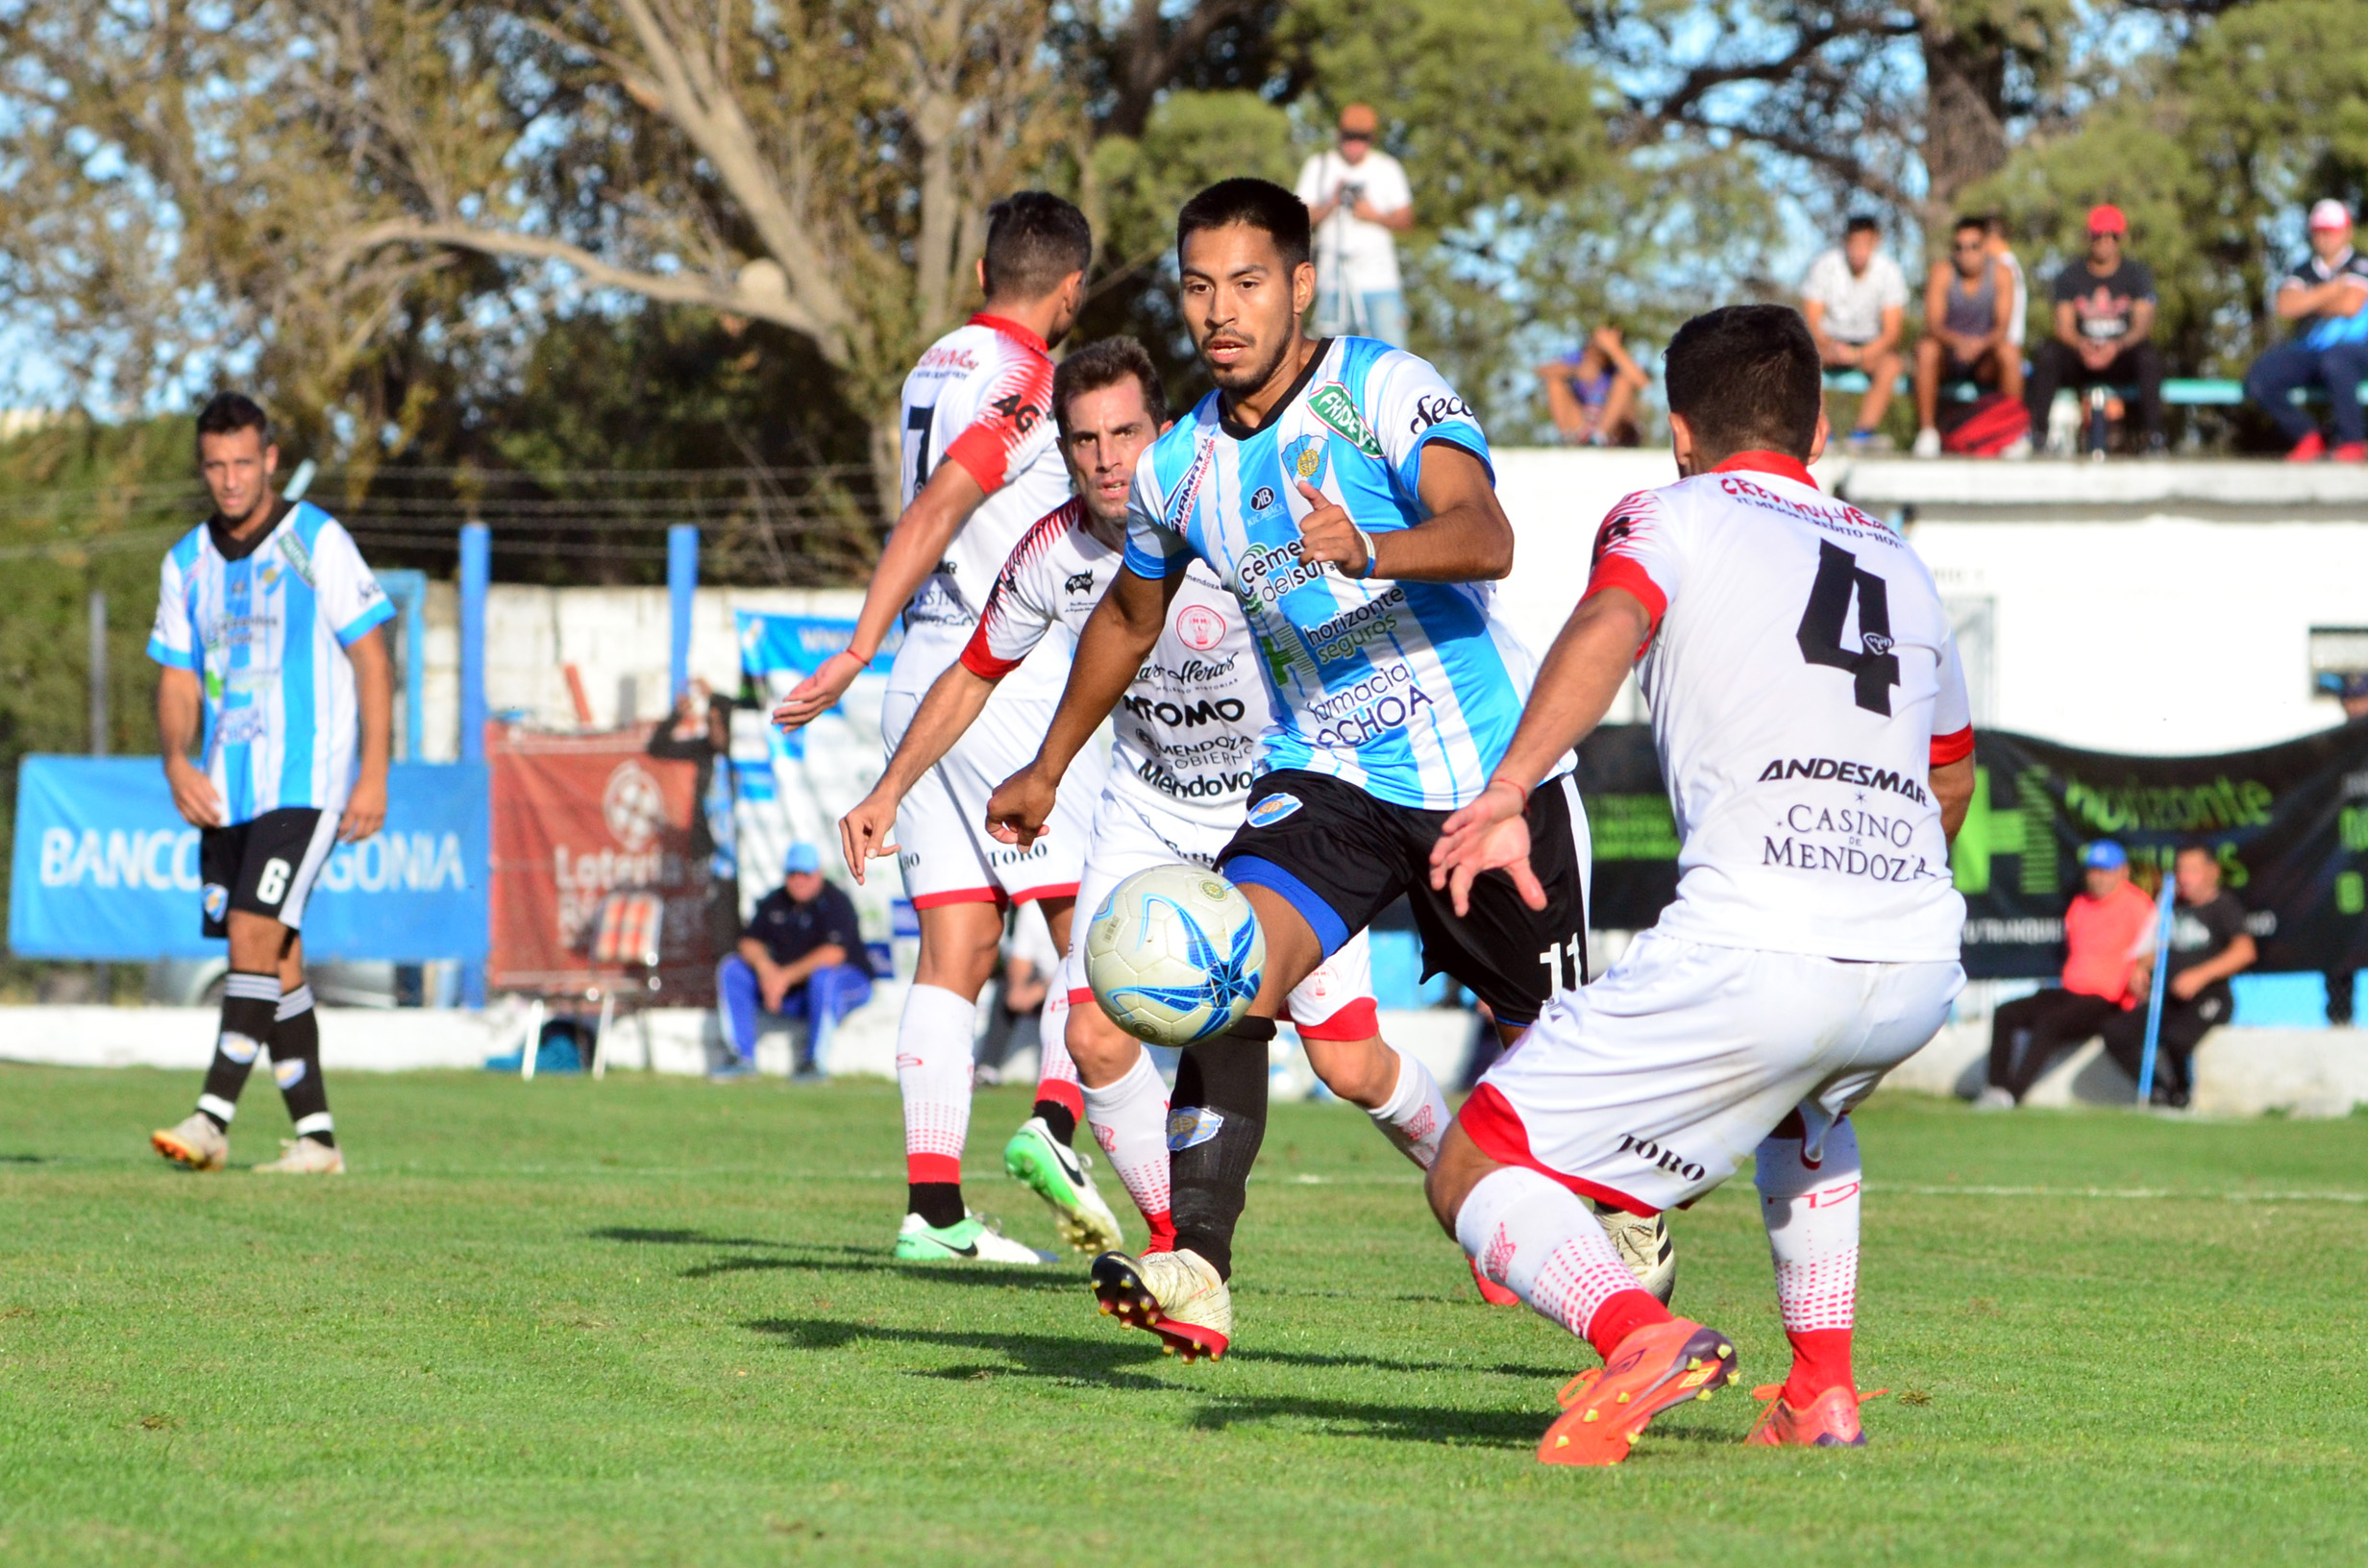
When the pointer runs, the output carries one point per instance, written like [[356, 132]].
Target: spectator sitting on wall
[[2104, 309], [1592, 392], [801, 957], [2105, 932], [700, 733], [1969, 310], [1856, 299], [1358, 200], [2323, 296], [1994, 228], [2208, 944]]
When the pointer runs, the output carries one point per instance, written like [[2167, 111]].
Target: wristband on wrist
[[1372, 557]]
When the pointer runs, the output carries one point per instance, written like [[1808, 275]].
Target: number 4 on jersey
[[1874, 665]]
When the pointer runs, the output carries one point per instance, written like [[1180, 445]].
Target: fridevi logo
[[1332, 403]]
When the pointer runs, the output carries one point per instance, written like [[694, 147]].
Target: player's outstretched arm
[[1118, 636], [374, 694], [915, 546], [953, 704], [1574, 690], [180, 703], [1467, 537]]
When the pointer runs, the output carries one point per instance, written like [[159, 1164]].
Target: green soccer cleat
[[974, 1240], [1056, 1174]]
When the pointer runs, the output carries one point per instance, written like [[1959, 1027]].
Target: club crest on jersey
[[1273, 809], [1332, 403], [1190, 1126], [1264, 499], [1304, 458]]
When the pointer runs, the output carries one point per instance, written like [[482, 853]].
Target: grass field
[[655, 1322]]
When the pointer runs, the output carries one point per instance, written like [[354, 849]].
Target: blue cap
[[801, 857], [2103, 855]]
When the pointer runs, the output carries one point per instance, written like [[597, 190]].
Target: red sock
[[1162, 1226], [1621, 1315], [1820, 1360]]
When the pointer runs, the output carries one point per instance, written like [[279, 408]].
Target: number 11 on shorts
[[1564, 961]]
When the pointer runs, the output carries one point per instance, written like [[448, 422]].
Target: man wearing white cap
[[800, 957], [2323, 296]]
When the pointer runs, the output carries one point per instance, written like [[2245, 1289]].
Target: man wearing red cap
[[2323, 296], [2105, 309]]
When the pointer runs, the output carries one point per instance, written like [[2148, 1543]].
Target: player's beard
[[1254, 369]]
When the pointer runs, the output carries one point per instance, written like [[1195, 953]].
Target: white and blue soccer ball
[[1174, 955]]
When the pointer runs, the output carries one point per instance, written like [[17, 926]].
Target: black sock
[[1219, 1109], [296, 1063], [938, 1203], [1059, 1120], [248, 1003]]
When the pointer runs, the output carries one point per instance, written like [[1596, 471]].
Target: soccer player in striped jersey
[[267, 628]]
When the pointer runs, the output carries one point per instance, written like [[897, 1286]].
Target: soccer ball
[[1174, 955]]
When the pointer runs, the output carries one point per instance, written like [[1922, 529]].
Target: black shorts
[[1340, 857], [265, 866]]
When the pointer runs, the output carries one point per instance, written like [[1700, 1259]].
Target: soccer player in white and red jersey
[[981, 466], [1810, 717], [1188, 735]]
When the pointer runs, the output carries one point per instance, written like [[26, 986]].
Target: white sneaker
[[305, 1157], [196, 1142], [1056, 1173], [975, 1240], [1175, 1295], [1645, 1246], [2017, 450], [1927, 443], [1993, 1098]]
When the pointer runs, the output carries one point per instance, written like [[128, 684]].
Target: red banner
[[575, 819]]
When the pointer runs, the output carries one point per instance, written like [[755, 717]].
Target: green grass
[[655, 1322]]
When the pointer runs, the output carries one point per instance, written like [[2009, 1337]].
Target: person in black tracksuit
[[2208, 944]]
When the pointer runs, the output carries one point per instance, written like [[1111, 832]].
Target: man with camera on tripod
[[1357, 198]]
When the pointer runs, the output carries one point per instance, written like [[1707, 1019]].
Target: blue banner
[[105, 869]]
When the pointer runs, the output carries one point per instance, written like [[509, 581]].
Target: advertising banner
[[104, 868], [2288, 824], [575, 819]]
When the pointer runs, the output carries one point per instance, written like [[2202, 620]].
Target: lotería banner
[[105, 869], [2288, 824]]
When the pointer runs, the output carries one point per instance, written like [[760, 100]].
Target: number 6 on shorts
[[273, 883]]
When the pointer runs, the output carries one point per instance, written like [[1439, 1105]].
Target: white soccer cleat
[[305, 1157], [973, 1240], [196, 1142], [1175, 1295], [1056, 1173], [1926, 442], [1645, 1246]]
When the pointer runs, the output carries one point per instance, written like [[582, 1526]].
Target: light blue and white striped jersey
[[1408, 690], [268, 633]]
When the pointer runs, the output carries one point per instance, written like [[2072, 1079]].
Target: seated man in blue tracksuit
[[800, 957]]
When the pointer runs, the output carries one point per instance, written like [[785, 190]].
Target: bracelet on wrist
[[1372, 557], [1521, 789]]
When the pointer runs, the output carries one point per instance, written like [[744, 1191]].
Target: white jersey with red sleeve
[[1803, 683], [981, 397], [1188, 730]]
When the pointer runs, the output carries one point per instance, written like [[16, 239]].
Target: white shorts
[[943, 846], [1646, 1088], [1336, 1002]]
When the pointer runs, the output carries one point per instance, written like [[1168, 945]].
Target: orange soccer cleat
[[1495, 1294], [1656, 1366], [1831, 1420]]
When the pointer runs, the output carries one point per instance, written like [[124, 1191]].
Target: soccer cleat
[[1655, 1368], [1175, 1295], [305, 1157], [1644, 1244], [973, 1240], [1831, 1420], [197, 1143], [1495, 1294], [1056, 1173]]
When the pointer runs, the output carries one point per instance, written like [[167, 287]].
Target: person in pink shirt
[[2109, 941]]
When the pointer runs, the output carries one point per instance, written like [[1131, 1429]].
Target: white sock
[[1812, 1228], [934, 1072], [1416, 1117], [1537, 1240], [1129, 1119]]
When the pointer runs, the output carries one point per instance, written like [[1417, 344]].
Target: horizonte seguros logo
[[165, 860]]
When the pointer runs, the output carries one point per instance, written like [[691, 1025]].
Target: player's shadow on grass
[[839, 1259]]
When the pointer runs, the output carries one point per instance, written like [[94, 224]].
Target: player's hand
[[1326, 534], [868, 832], [366, 810], [1490, 835], [2185, 984], [820, 692], [194, 796], [1019, 811]]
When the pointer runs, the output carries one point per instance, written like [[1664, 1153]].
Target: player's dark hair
[[1104, 364], [1262, 204], [1746, 378], [1034, 239], [1971, 220], [228, 412], [1861, 223]]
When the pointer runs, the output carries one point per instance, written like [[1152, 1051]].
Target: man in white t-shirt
[[1357, 198], [1810, 713], [1856, 299]]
